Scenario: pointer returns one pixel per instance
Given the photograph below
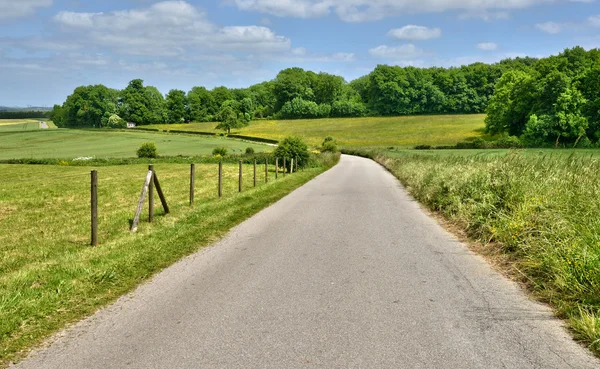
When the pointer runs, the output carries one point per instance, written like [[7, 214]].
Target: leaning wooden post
[[276, 168], [138, 211], [266, 170], [94, 203], [151, 196], [192, 183], [220, 178], [161, 195], [240, 181]]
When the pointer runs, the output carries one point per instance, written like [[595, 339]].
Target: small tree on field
[[147, 150], [230, 119], [293, 148]]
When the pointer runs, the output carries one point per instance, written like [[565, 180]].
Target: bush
[[300, 108], [343, 109], [115, 121], [147, 150], [222, 151], [508, 142], [293, 148], [329, 145], [423, 147], [249, 151]]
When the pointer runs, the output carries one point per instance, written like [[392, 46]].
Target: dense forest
[[554, 99]]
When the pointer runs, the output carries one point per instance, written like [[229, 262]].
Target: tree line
[[293, 94], [554, 98], [554, 101], [24, 114]]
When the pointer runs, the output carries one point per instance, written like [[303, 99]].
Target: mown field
[[50, 276], [536, 212], [12, 125], [361, 132], [72, 143]]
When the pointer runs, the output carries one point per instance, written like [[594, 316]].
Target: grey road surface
[[346, 272]]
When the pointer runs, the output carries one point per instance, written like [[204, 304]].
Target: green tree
[[290, 84], [230, 119], [86, 106], [202, 106], [176, 104]]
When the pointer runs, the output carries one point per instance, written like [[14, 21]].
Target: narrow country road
[[346, 272]]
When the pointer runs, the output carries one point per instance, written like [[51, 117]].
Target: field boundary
[[211, 134]]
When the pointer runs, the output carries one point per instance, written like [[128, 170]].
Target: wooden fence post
[[291, 165], [284, 167], [254, 172], [241, 171], [94, 203], [276, 168], [266, 170], [296, 164], [138, 211], [151, 196], [192, 183], [220, 178]]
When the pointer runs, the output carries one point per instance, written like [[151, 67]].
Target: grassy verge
[[50, 277], [538, 214], [405, 132]]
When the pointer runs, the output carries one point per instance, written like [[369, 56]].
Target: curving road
[[346, 272]]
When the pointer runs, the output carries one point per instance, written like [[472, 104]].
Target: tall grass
[[540, 212]]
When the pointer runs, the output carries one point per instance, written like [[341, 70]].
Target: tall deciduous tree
[[176, 106]]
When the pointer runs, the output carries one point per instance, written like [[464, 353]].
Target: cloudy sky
[[48, 47]]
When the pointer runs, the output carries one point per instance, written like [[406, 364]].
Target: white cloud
[[168, 28], [485, 15], [487, 46], [402, 52], [368, 10], [415, 33], [20, 8], [552, 28], [594, 21]]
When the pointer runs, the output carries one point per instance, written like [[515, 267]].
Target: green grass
[[49, 276], [71, 143], [536, 211], [12, 125], [404, 132]]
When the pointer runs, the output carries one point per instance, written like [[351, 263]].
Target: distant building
[[130, 125]]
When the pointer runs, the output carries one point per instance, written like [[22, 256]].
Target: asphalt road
[[346, 272]]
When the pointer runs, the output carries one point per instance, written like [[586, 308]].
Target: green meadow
[[405, 132], [73, 143]]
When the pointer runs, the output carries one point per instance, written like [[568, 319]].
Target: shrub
[[249, 151], [508, 142], [115, 121], [347, 109], [329, 145], [222, 151], [293, 148], [147, 150]]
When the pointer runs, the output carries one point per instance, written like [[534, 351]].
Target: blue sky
[[49, 47]]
